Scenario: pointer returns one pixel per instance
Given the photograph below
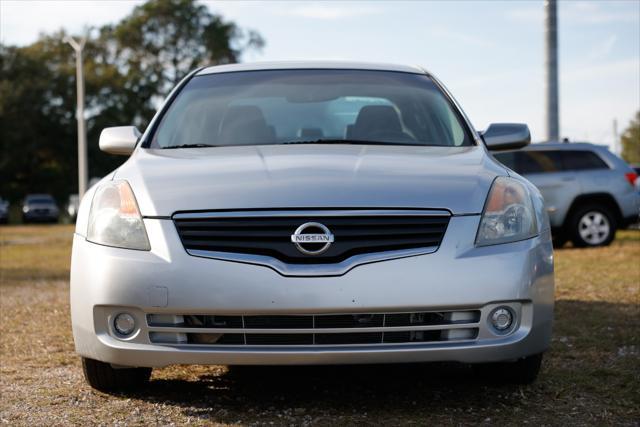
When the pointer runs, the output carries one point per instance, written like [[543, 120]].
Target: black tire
[[576, 225], [102, 376], [521, 371]]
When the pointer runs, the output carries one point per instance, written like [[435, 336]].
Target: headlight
[[508, 214], [115, 219]]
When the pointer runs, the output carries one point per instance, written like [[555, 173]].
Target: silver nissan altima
[[307, 213]]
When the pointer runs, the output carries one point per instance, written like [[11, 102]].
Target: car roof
[[301, 65]]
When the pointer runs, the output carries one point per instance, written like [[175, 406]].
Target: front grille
[[314, 330], [271, 235], [278, 322]]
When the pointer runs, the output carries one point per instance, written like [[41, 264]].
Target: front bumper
[[458, 276], [42, 215]]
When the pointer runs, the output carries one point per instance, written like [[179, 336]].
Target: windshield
[[313, 106]]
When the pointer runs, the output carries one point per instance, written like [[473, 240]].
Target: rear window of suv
[[548, 161], [582, 160]]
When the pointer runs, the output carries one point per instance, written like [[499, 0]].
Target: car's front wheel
[[592, 225], [521, 371], [102, 376]]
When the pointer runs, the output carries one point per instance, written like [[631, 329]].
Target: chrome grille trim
[[311, 268], [412, 329], [311, 212], [310, 331]]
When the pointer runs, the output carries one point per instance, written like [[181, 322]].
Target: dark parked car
[[39, 208], [589, 192], [4, 211]]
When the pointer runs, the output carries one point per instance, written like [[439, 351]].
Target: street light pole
[[82, 133], [551, 70]]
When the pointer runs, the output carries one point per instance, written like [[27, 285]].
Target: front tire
[[102, 376], [521, 371], [592, 226]]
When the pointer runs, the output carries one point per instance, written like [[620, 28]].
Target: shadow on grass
[[629, 235], [327, 390], [20, 275]]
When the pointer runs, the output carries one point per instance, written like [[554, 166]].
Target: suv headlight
[[508, 214], [115, 219]]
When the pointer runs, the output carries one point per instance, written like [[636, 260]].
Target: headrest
[[376, 118], [244, 124]]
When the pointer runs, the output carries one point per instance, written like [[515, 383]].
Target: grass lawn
[[591, 375]]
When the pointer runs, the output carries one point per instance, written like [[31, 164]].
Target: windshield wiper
[[346, 141], [190, 146], [302, 141]]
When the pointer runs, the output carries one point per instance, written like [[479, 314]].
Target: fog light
[[124, 323], [501, 319]]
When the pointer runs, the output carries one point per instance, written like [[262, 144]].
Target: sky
[[488, 53]]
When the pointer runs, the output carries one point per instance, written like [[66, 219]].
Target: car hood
[[310, 176]]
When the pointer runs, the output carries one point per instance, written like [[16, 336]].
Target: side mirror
[[119, 140], [506, 136]]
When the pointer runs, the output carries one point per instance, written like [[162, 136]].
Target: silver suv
[[589, 192]]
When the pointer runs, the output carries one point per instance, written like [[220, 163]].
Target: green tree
[[631, 141], [129, 68], [165, 39], [36, 118], [161, 42]]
